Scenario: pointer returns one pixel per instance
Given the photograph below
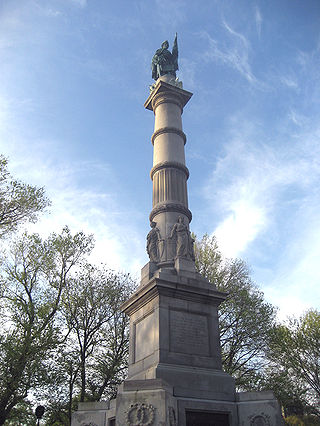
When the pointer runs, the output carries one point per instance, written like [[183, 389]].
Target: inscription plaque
[[189, 333], [144, 337], [195, 418]]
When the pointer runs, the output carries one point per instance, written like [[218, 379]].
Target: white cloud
[[4, 112], [295, 287], [298, 119], [251, 178], [188, 73], [234, 53], [88, 209], [53, 12], [268, 200], [289, 303], [289, 81], [171, 14], [80, 3], [240, 227], [258, 19], [84, 195]]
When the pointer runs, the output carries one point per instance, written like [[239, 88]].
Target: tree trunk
[[83, 378]]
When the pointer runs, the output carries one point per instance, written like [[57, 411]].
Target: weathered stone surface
[[147, 272], [88, 418], [145, 330], [145, 402], [169, 173], [153, 239], [258, 409], [185, 267], [93, 414], [188, 333]]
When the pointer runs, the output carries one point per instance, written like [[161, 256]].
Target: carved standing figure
[[153, 238], [184, 241], [164, 61]]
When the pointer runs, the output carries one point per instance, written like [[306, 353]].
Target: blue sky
[[74, 78]]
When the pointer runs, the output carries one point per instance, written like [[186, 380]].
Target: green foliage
[[294, 421], [245, 318], [98, 328], [92, 361], [295, 352], [61, 336], [57, 414], [33, 279], [22, 414], [258, 353], [302, 421], [19, 202]]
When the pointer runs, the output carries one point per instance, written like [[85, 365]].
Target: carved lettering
[[189, 333]]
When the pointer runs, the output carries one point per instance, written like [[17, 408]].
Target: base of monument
[[152, 402], [146, 402], [192, 382], [175, 375], [95, 413]]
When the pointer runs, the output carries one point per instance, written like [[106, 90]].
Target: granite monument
[[175, 375]]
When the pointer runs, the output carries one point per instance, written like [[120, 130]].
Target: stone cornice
[[139, 299], [157, 287], [166, 88], [169, 130], [169, 164], [170, 207]]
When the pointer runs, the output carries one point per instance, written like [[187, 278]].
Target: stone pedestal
[[146, 402], [94, 414], [174, 335], [258, 408], [175, 359]]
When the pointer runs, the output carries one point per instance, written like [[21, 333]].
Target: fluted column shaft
[[169, 173]]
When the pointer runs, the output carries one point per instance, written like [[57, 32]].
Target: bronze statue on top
[[164, 61]]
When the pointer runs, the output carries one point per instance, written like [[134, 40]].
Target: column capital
[[162, 90]]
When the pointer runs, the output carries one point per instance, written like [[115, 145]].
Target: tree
[[33, 280], [245, 318], [295, 352], [19, 202], [98, 328], [22, 414], [290, 392], [302, 421], [93, 359]]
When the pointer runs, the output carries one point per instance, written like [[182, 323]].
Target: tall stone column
[[175, 375], [170, 214], [174, 334]]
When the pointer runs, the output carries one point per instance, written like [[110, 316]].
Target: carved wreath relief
[[140, 415], [260, 420]]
